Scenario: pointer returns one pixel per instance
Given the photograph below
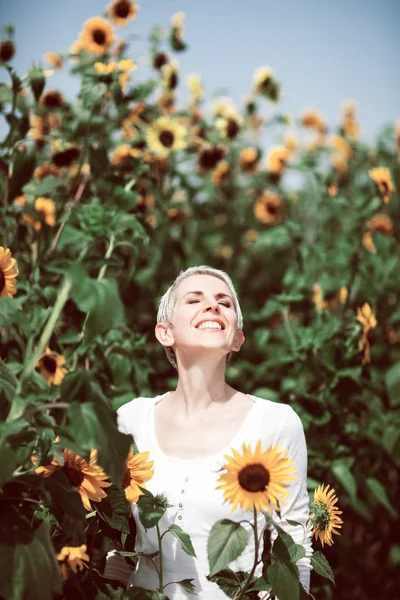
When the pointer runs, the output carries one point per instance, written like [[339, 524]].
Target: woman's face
[[204, 316]]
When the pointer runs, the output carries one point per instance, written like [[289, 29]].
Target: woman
[[187, 432]]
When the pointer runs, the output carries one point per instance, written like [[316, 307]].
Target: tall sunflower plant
[[95, 193]]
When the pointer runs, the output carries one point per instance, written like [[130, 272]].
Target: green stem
[[110, 249], [255, 563], [289, 329], [160, 574], [44, 338]]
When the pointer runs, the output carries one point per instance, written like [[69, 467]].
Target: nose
[[211, 305]]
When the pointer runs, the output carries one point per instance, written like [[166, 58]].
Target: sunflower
[[196, 90], [313, 120], [8, 273], [54, 59], [159, 60], [41, 125], [87, 478], [125, 66], [265, 84], [45, 170], [378, 224], [44, 206], [177, 32], [290, 142], [331, 301], [105, 68], [169, 76], [277, 159], [220, 173], [51, 366], [51, 99], [269, 208], [64, 153], [123, 154], [368, 320], [97, 36], [325, 515], [348, 121], [165, 136], [229, 125], [166, 103], [248, 159], [209, 157], [256, 480], [72, 558], [137, 471], [341, 146], [223, 107], [381, 176], [122, 11]]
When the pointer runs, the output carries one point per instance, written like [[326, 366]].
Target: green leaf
[[187, 586], [8, 381], [296, 552], [393, 384], [8, 462], [345, 477], [229, 581], [92, 425], [11, 313], [43, 188], [260, 585], [139, 593], [92, 91], [25, 567], [184, 538], [284, 580], [379, 493], [321, 566], [64, 495], [71, 236], [150, 512], [226, 541], [24, 164], [115, 509]]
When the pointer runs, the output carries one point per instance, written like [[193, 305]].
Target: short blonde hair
[[167, 301]]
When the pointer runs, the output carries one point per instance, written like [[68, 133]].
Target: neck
[[201, 385]]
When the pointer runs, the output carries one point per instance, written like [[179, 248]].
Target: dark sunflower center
[[99, 37], [385, 187], [7, 51], [49, 363], [53, 100], [173, 81], [126, 479], [166, 138], [254, 478], [272, 209], [2, 281], [75, 475], [122, 9], [233, 128]]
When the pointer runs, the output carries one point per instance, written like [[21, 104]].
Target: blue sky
[[323, 52]]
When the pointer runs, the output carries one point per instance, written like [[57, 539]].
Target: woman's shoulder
[[281, 417], [132, 412]]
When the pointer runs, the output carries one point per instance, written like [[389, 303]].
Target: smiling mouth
[[210, 326]]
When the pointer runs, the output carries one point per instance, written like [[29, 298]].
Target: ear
[[164, 335], [239, 339]]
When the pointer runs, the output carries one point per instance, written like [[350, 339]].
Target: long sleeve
[[291, 438]]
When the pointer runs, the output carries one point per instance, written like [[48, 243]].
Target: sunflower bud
[[37, 81]]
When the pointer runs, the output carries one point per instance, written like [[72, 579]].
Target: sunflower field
[[103, 200]]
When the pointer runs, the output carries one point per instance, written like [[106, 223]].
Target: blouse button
[[180, 505], [180, 517], [186, 478], [182, 491]]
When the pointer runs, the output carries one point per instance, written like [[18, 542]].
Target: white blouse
[[190, 486]]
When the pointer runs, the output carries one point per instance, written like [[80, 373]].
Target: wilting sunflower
[[269, 208], [8, 273], [51, 366], [51, 99], [122, 11], [378, 224], [331, 301], [256, 479], [46, 169], [265, 83], [209, 157], [314, 120], [248, 159], [137, 470], [87, 478], [325, 515], [381, 176], [97, 36], [277, 159], [165, 136], [54, 59], [72, 558], [220, 173]]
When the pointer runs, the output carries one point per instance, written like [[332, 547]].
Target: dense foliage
[[102, 201]]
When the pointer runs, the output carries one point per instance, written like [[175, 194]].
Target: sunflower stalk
[[255, 563], [44, 339], [160, 572]]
